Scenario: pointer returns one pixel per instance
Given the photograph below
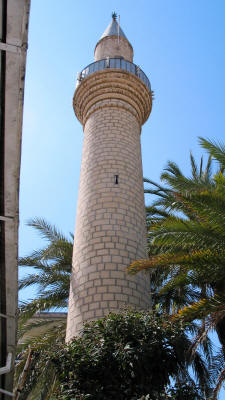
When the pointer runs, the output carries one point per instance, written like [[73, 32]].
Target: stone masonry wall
[[110, 225], [110, 47]]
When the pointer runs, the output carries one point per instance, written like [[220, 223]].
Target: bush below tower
[[126, 356]]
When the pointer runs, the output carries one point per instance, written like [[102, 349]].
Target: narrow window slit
[[116, 179]]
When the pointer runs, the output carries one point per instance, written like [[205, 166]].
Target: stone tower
[[112, 100]]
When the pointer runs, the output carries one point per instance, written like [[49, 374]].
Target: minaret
[[112, 100]]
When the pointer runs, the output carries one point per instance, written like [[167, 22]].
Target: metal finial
[[114, 15]]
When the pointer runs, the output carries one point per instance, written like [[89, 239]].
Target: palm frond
[[173, 169], [203, 308], [208, 169], [220, 381], [194, 167], [50, 300], [47, 231], [216, 149]]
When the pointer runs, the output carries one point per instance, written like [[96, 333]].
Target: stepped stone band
[[118, 89]]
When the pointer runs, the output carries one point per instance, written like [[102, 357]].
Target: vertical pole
[[3, 322], [118, 25]]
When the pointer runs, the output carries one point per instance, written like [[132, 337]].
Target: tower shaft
[[110, 230]]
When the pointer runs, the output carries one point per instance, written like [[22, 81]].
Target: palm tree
[[166, 204], [52, 265], [52, 268], [35, 374], [186, 233]]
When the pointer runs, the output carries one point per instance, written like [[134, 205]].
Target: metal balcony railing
[[118, 63]]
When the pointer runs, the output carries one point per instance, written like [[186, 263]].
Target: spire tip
[[114, 16]]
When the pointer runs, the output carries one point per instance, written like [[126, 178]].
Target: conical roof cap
[[112, 30]]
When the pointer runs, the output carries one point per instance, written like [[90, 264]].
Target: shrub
[[122, 356]]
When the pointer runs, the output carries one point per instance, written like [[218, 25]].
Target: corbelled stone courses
[[112, 84], [110, 224]]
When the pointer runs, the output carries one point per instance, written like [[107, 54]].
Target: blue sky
[[180, 46]]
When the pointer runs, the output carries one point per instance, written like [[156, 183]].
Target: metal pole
[[118, 25]]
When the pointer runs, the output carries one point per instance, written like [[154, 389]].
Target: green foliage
[[186, 244], [52, 267], [186, 238], [41, 375], [124, 356], [183, 391], [135, 355], [51, 277]]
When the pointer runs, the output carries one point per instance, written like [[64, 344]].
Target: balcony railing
[[118, 63]]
